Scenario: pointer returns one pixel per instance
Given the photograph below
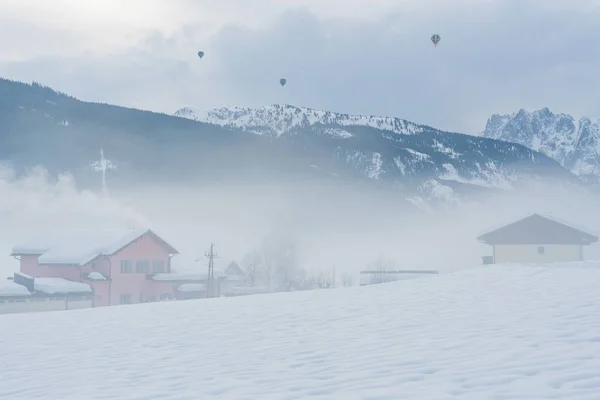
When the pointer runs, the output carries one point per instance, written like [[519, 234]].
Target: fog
[[331, 226]]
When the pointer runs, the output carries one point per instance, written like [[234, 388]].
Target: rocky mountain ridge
[[575, 144], [438, 164]]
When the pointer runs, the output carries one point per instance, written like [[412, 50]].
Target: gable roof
[[234, 269], [82, 246], [537, 230]]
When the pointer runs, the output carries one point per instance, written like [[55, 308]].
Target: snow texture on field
[[503, 332]]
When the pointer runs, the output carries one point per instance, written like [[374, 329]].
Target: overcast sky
[[353, 56]]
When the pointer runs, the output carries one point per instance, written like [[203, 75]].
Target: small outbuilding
[[536, 239]]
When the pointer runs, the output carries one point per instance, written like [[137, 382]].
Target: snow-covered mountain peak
[[438, 165], [573, 143], [277, 119]]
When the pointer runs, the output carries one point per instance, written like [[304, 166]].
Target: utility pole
[[210, 278]]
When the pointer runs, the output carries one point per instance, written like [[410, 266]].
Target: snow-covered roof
[[234, 269], [78, 247], [192, 287], [537, 230], [9, 288], [96, 276], [60, 285], [187, 276]]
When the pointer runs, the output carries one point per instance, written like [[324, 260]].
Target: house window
[[142, 298], [151, 299], [125, 299], [141, 267], [541, 250], [158, 266], [93, 266], [126, 267]]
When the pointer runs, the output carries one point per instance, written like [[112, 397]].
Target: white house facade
[[537, 239], [537, 254]]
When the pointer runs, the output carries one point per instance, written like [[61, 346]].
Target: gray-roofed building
[[537, 239]]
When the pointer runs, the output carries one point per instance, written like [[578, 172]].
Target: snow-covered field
[[502, 332]]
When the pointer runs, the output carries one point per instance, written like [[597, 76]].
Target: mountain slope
[[574, 144], [279, 144], [391, 149], [41, 126]]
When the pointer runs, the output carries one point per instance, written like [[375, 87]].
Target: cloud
[[495, 56], [345, 227], [492, 57], [38, 201]]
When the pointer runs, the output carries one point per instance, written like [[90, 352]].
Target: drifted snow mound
[[503, 332]]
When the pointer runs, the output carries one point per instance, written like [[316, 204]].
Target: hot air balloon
[[435, 39], [200, 54], [282, 81]]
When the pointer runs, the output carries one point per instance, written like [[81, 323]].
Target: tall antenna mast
[[103, 165], [210, 278]]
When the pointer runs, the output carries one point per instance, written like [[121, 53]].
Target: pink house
[[122, 267]]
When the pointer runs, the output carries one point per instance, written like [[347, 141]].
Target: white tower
[[103, 165]]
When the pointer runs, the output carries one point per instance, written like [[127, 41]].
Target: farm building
[[536, 239]]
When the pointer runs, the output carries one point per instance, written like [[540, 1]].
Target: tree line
[[275, 264]]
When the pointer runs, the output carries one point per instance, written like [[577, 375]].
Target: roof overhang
[[586, 240], [24, 253]]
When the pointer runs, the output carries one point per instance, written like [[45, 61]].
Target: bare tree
[[346, 279], [280, 263], [252, 264], [267, 256], [381, 266], [323, 282], [287, 270], [309, 283]]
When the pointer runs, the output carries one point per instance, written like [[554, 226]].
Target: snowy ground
[[505, 332]]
